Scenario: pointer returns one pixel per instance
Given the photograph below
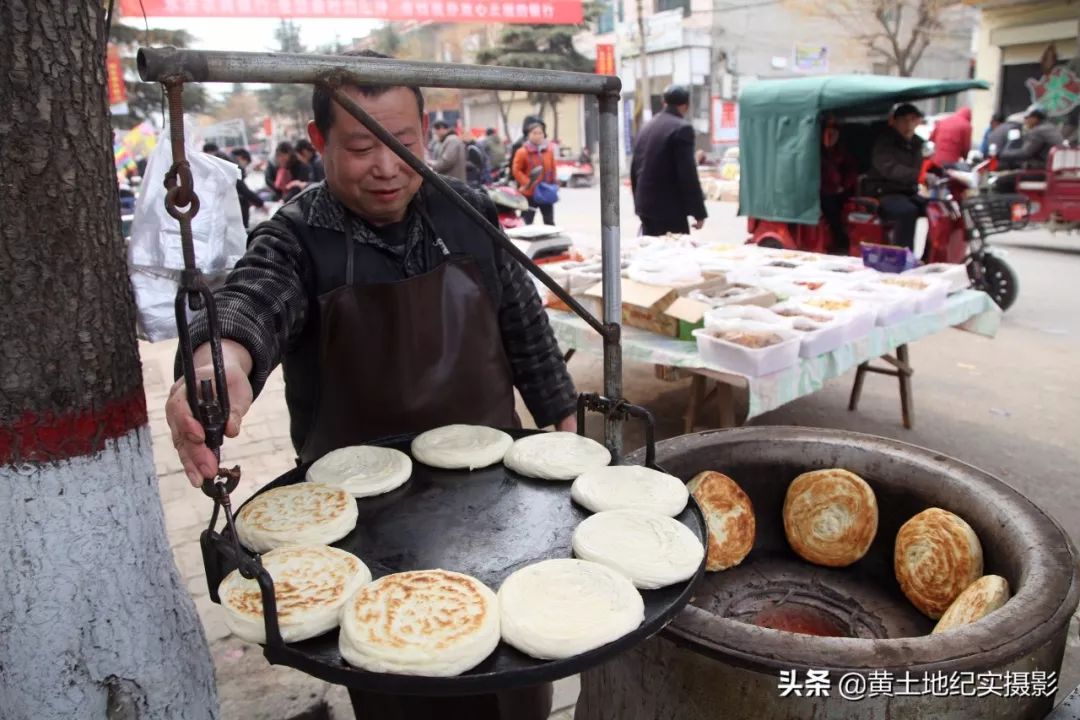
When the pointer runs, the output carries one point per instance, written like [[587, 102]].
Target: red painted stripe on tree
[[42, 437]]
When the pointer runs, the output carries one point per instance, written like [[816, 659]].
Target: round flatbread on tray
[[651, 549], [559, 608], [433, 623], [362, 470], [461, 447], [629, 487], [555, 455], [311, 584], [304, 513]]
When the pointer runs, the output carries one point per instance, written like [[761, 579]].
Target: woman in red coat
[[535, 152]]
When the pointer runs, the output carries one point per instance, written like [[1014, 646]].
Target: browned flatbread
[[937, 556], [830, 517], [729, 516], [981, 598]]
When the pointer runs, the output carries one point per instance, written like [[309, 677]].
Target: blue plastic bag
[[546, 193]]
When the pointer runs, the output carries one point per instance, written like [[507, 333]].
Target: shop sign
[[725, 121], [605, 59], [810, 58]]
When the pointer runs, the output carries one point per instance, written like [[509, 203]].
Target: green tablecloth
[[968, 310]]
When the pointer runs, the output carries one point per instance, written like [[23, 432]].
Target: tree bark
[[94, 619]]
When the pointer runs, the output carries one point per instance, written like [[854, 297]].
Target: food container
[[820, 331], [851, 268], [738, 294], [750, 361], [930, 292], [954, 275], [860, 315], [892, 306], [755, 313]]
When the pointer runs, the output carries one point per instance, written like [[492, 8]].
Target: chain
[[209, 399]]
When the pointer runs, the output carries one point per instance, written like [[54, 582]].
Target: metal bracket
[[619, 409]]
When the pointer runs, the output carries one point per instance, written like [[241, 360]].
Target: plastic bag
[[155, 254]]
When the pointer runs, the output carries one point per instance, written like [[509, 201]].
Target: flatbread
[[981, 598], [937, 556], [629, 487], [729, 515], [362, 470], [304, 513], [311, 584], [461, 447], [830, 517], [434, 623], [560, 608], [651, 549], [555, 455]]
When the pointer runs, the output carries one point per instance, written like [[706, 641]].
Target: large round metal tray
[[486, 523]]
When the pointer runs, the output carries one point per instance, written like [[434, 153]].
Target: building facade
[[1029, 51]]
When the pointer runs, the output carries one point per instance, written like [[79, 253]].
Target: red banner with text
[[536, 12]]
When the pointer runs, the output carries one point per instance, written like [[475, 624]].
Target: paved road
[[1010, 405]]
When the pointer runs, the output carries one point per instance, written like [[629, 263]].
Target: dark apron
[[404, 357]]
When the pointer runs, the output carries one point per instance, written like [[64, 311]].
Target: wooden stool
[[901, 369]]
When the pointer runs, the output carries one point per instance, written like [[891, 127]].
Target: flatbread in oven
[[830, 517], [981, 598], [937, 556], [729, 516]]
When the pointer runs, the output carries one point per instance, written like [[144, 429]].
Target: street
[[1009, 405]]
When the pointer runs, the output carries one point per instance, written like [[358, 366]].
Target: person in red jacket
[[952, 138]]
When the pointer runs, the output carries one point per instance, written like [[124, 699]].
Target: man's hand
[[567, 424], [188, 436], [698, 224]]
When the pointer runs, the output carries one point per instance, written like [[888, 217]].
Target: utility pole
[[642, 92]]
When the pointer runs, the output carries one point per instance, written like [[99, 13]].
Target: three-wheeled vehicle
[[781, 125]]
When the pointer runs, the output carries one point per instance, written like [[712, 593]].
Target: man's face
[[1031, 121], [365, 175], [906, 124], [442, 132], [281, 159], [305, 155]]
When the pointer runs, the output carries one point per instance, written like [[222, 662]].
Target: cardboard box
[[643, 306], [690, 315]]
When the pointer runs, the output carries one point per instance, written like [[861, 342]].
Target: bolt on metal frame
[[174, 67]]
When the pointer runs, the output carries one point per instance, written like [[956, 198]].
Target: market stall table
[[968, 310]]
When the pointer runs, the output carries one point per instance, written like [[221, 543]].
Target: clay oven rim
[[1047, 594]]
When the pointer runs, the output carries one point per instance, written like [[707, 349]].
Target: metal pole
[[611, 259], [157, 64]]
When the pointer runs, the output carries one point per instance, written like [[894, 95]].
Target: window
[[684, 5], [605, 23]]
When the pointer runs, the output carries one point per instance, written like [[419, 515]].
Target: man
[[248, 198], [895, 166], [311, 158], [496, 151], [450, 159], [663, 173], [991, 130], [952, 138], [390, 311], [1039, 136]]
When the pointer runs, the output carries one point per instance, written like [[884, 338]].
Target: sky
[[257, 34]]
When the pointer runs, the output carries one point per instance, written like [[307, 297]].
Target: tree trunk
[[94, 619], [554, 118], [504, 111]]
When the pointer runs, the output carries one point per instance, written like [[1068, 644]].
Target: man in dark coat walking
[[663, 173]]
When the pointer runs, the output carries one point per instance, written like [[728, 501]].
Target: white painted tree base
[[95, 621]]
